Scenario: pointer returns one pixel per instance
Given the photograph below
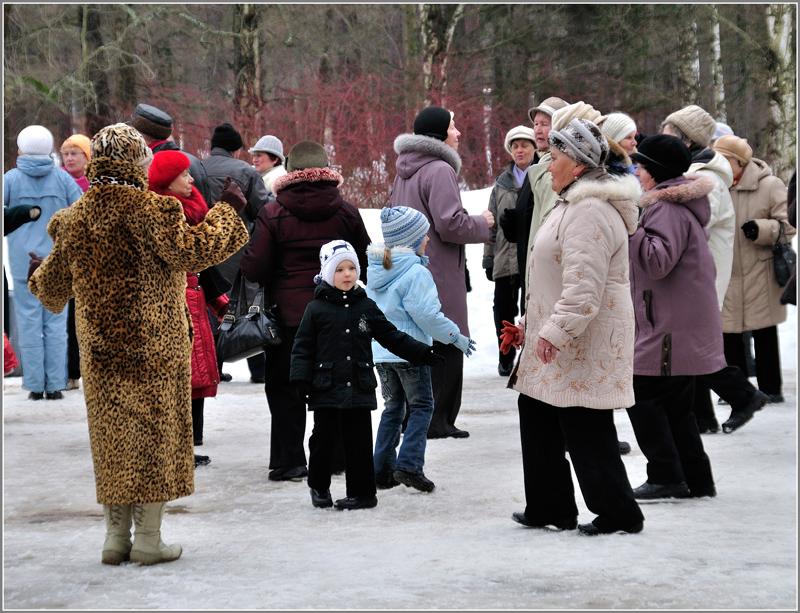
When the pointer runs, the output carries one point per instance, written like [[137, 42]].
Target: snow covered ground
[[250, 543]]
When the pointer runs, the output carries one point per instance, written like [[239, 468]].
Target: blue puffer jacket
[[408, 297], [35, 182]]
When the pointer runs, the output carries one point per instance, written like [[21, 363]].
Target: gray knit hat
[[306, 154], [548, 107], [582, 141], [269, 144], [695, 123], [403, 227]]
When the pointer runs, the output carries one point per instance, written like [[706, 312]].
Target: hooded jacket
[[579, 298], [678, 327], [407, 295], [752, 301], [499, 254], [35, 182], [283, 252], [426, 181]]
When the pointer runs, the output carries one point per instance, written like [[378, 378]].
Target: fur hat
[[81, 142], [617, 126], [548, 107], [123, 143], [226, 137], [403, 227], [582, 141], [269, 144], [517, 133], [433, 121], [151, 121], [331, 255], [579, 110], [664, 156], [306, 154], [695, 123], [35, 140], [166, 167], [736, 147], [723, 129]]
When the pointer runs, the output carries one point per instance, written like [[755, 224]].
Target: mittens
[[509, 336], [750, 229]]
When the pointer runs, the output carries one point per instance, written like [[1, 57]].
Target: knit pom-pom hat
[[122, 143], [331, 255], [165, 168], [403, 227], [35, 140]]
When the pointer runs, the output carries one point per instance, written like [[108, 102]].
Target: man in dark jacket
[[283, 255]]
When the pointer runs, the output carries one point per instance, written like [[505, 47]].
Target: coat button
[[348, 358], [347, 331], [348, 384], [347, 305]]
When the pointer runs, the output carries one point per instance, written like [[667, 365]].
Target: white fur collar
[[623, 193]]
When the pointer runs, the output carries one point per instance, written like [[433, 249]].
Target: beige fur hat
[[579, 110]]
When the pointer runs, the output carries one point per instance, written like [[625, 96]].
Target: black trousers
[[288, 429], [590, 434], [767, 354], [73, 352], [667, 433], [354, 426], [197, 418], [505, 306], [730, 384], [447, 380]]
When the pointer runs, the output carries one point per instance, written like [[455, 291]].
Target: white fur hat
[[35, 140]]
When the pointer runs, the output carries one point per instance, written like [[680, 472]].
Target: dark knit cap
[[151, 121], [226, 137], [664, 156], [433, 121], [306, 154]]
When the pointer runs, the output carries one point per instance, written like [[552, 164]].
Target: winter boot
[[148, 548], [117, 546]]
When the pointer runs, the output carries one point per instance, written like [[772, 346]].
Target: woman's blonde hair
[[387, 258]]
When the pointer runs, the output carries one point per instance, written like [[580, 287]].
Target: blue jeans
[[401, 380]]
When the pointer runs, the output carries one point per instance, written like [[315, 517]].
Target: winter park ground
[[250, 543]]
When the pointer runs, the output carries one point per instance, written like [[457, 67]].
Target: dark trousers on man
[[354, 427], [667, 433], [767, 354], [505, 307], [447, 380], [546, 432]]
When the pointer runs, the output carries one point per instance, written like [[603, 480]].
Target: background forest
[[353, 76]]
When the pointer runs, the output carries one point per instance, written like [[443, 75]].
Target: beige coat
[[752, 301], [579, 298], [544, 198]]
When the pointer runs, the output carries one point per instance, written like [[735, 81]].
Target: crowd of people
[[628, 271]]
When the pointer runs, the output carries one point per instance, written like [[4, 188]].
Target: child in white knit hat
[[401, 285], [332, 371]]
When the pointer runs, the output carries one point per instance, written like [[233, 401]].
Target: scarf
[[194, 206]]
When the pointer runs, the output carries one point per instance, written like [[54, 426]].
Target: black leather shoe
[[35, 395], [503, 370], [722, 401], [740, 418], [54, 395], [775, 398], [352, 503], [386, 484], [707, 427], [458, 434], [198, 442], [201, 460], [418, 482], [288, 474], [559, 524], [624, 448], [654, 491], [320, 499], [223, 376], [257, 380], [592, 530], [704, 493]]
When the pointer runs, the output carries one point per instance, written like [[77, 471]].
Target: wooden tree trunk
[[96, 95], [438, 22], [246, 67], [782, 142]]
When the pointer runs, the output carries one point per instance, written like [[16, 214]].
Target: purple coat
[[678, 325], [426, 181]]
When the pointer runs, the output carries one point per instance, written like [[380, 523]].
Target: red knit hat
[[166, 167]]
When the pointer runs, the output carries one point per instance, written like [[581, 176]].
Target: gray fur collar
[[698, 187], [406, 143], [622, 193]]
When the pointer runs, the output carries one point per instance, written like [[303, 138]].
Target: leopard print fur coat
[[123, 253]]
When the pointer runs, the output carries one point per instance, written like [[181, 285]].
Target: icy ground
[[253, 544]]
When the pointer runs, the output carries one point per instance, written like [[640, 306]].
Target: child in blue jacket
[[401, 285]]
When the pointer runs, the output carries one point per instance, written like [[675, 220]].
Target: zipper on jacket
[[666, 356]]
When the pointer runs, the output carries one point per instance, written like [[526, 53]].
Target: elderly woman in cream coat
[[576, 364]]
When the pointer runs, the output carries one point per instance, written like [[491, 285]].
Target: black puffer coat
[[333, 348]]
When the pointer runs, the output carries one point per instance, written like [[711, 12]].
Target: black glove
[[508, 224], [232, 194], [489, 272], [302, 389], [35, 262], [431, 358], [750, 229]]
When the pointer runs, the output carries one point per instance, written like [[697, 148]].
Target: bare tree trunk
[[125, 61], [783, 87], [246, 66], [95, 103], [438, 23]]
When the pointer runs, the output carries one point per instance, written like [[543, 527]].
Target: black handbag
[[784, 258], [246, 331]]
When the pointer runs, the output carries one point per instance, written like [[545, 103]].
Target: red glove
[[35, 262], [219, 306], [509, 336]]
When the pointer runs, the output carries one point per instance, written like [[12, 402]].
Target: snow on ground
[[250, 543]]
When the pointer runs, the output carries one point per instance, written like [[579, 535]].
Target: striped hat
[[403, 227]]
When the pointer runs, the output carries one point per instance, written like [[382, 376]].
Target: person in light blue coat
[[42, 335], [399, 281]]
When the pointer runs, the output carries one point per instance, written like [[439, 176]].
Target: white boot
[[117, 546], [148, 548]]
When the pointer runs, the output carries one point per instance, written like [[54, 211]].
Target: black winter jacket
[[333, 348]]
